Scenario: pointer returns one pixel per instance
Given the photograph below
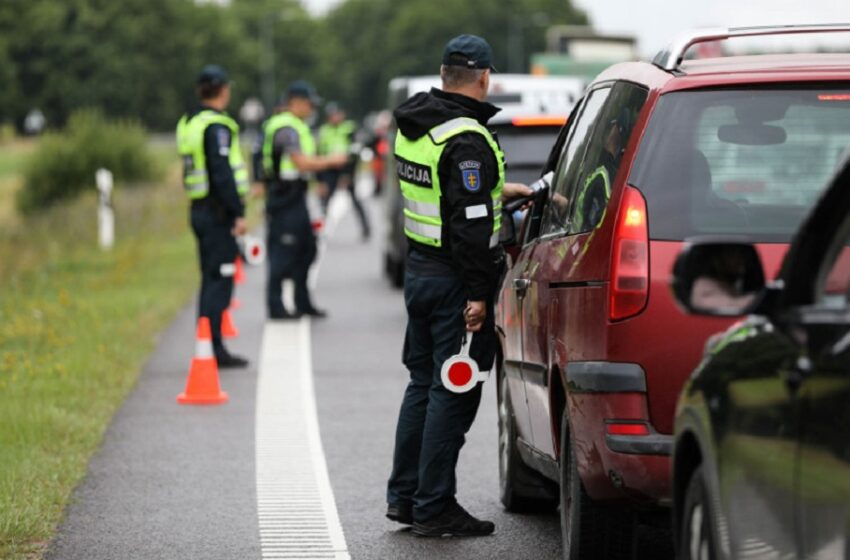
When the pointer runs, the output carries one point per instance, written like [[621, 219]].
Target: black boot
[[454, 521]]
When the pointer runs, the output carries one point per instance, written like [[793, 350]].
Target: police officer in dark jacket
[[215, 179], [289, 160], [451, 172]]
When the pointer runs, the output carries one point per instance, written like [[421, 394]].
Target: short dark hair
[[457, 76], [209, 91]]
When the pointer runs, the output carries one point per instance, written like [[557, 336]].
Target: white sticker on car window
[[477, 211]]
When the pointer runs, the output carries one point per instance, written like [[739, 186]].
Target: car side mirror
[[718, 278]]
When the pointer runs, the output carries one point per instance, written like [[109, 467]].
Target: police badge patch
[[471, 180]]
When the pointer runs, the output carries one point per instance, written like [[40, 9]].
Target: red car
[[594, 350]]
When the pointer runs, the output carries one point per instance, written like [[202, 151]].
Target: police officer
[[452, 176], [289, 159], [215, 179], [336, 136]]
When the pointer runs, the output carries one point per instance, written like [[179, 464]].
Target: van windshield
[[740, 162]]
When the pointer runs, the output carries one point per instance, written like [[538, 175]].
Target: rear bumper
[[616, 467]]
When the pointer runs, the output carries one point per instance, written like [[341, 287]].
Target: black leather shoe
[[400, 513], [231, 361], [453, 522], [314, 312], [285, 316]]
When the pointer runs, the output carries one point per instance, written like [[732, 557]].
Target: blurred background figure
[[215, 179], [336, 137], [289, 160]]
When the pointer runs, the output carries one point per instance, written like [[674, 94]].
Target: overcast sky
[[655, 22]]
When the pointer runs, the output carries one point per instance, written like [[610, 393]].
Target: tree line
[[139, 58]]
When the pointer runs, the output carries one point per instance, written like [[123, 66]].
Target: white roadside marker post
[[105, 213]]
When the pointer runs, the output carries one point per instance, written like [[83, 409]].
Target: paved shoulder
[[174, 481]]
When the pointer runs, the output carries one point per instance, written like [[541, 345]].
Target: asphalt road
[[179, 482]]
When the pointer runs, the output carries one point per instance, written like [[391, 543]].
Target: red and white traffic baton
[[460, 373]]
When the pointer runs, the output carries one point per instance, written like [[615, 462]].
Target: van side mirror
[[718, 278]]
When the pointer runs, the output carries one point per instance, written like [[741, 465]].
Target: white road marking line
[[296, 510]]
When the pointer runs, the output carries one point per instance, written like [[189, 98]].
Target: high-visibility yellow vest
[[335, 138], [287, 171], [602, 172], [190, 146], [417, 164]]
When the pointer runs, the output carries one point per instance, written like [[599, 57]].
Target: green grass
[[76, 324]]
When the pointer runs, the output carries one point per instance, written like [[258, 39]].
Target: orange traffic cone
[[239, 276], [228, 329], [202, 386]]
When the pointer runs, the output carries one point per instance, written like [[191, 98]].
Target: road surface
[[258, 477]]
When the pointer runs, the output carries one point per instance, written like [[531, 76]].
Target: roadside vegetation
[[76, 324]]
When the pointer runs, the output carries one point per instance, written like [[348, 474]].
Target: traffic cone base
[[202, 385]]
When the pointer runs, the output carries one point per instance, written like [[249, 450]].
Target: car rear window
[[740, 162], [526, 150]]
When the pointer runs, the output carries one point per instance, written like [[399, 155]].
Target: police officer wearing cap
[[452, 176], [336, 136], [215, 180], [289, 160]]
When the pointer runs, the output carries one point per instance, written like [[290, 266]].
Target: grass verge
[[76, 324]]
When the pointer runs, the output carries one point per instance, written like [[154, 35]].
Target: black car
[[762, 433]]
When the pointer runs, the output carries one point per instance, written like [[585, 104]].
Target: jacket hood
[[422, 112]]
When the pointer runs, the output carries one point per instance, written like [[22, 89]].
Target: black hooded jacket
[[466, 229]]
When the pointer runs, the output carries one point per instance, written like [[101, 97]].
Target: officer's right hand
[[474, 315], [239, 228], [337, 160]]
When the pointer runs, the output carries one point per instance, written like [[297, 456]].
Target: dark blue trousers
[[216, 247], [292, 249], [433, 421]]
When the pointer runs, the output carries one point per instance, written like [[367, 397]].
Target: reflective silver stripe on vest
[[197, 187], [425, 230], [197, 173], [292, 175], [439, 133], [422, 208]]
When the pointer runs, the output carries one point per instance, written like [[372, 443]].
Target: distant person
[[289, 159], [215, 179], [452, 176], [336, 136]]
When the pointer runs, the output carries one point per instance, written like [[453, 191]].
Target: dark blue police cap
[[468, 51], [304, 90], [214, 75]]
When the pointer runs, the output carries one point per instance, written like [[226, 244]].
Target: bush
[[64, 163]]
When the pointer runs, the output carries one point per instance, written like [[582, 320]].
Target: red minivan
[[594, 350]]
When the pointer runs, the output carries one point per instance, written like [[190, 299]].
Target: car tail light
[[627, 429], [630, 265]]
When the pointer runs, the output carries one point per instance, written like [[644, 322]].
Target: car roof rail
[[671, 57]]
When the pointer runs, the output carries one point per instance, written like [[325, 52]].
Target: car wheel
[[590, 530], [696, 542], [522, 489]]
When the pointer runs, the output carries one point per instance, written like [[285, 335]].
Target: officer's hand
[[474, 315], [338, 160], [239, 228], [515, 190], [258, 191]]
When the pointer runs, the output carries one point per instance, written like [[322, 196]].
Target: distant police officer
[[336, 136], [289, 159], [451, 172], [215, 179]]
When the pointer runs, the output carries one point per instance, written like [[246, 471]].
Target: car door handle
[[521, 284]]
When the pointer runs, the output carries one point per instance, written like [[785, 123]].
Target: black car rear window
[[740, 162]]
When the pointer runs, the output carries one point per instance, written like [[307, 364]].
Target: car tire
[[521, 489], [590, 530], [697, 541]]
